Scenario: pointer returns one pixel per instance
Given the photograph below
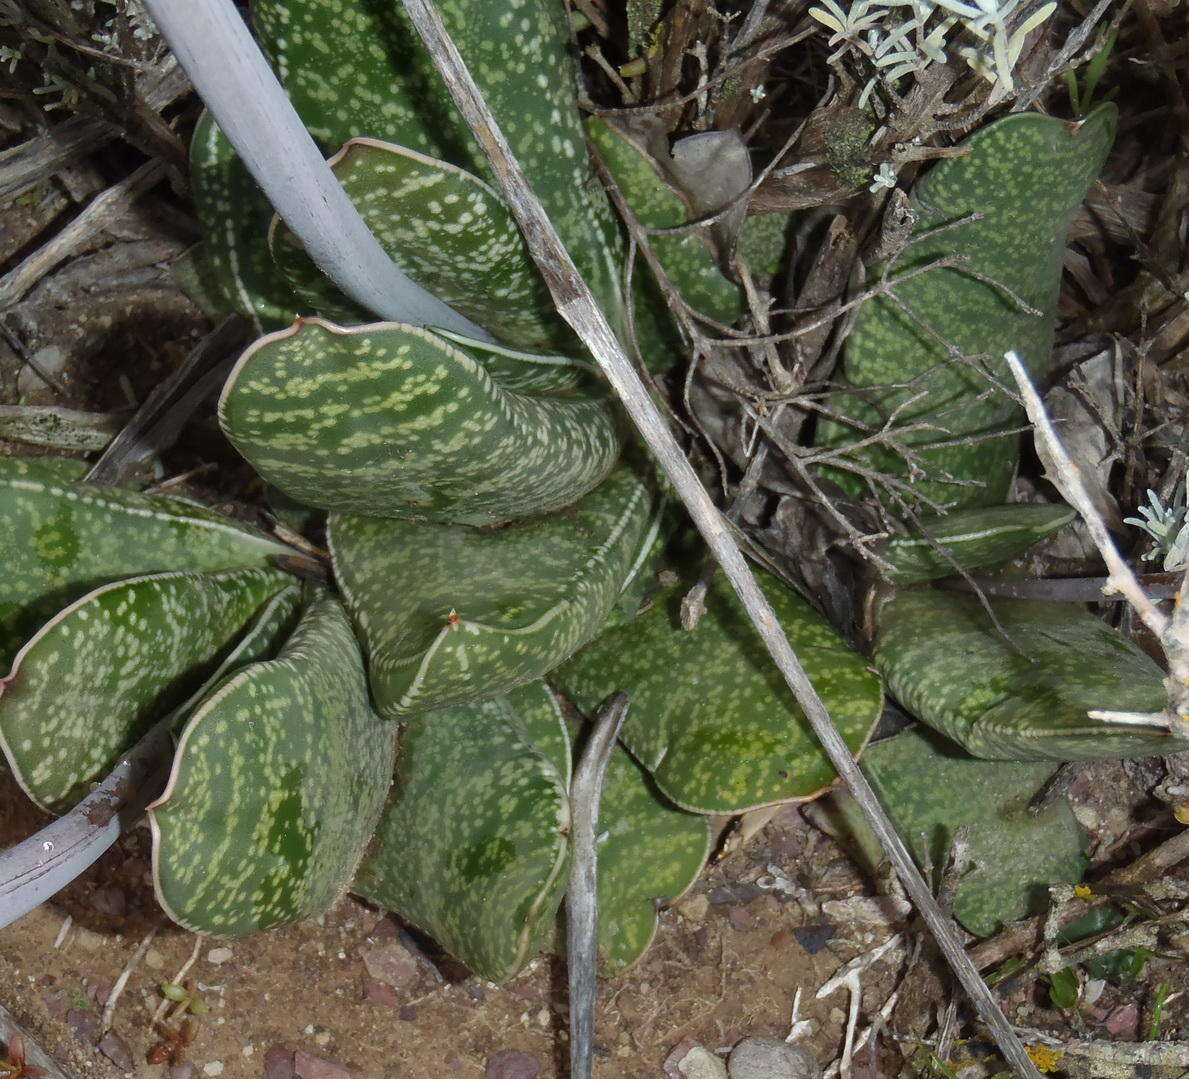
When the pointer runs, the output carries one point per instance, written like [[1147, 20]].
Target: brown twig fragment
[[578, 307]]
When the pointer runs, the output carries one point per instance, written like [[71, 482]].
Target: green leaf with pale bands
[[472, 844], [449, 231], [234, 215], [451, 614], [1026, 175], [972, 538], [357, 68], [942, 658], [930, 788], [686, 260], [651, 854], [100, 673], [711, 718], [62, 538], [277, 784], [397, 421]]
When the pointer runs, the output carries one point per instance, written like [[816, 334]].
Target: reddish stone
[[392, 964], [1124, 1022], [116, 1050], [84, 1025], [278, 1062], [680, 1052], [741, 918], [375, 992]]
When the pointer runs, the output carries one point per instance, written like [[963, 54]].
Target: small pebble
[[88, 939], [218, 955], [154, 959], [694, 909], [700, 1063], [322, 1037], [213, 1067], [771, 1058]]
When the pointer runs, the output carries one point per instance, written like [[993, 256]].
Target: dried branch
[[1173, 633], [103, 211], [582, 895], [577, 305]]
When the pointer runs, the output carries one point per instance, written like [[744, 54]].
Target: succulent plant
[[389, 731]]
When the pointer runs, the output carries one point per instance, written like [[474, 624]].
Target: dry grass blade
[[577, 305], [159, 420]]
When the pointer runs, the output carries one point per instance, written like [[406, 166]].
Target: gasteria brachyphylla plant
[[482, 527]]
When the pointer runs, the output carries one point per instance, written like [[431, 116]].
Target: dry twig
[[582, 897], [1172, 632]]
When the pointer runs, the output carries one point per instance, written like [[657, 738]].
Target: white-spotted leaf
[[453, 614], [1024, 698], [277, 784], [61, 538], [930, 787], [397, 421], [711, 719], [107, 667]]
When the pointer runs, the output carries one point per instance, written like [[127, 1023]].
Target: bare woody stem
[[212, 43], [577, 305]]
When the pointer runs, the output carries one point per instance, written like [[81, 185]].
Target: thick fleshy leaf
[[234, 215], [449, 231], [1025, 699], [711, 718], [472, 844], [687, 261], [357, 68], [1025, 175], [278, 781], [397, 421], [651, 854], [930, 788], [61, 538], [972, 538], [101, 672], [451, 614]]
